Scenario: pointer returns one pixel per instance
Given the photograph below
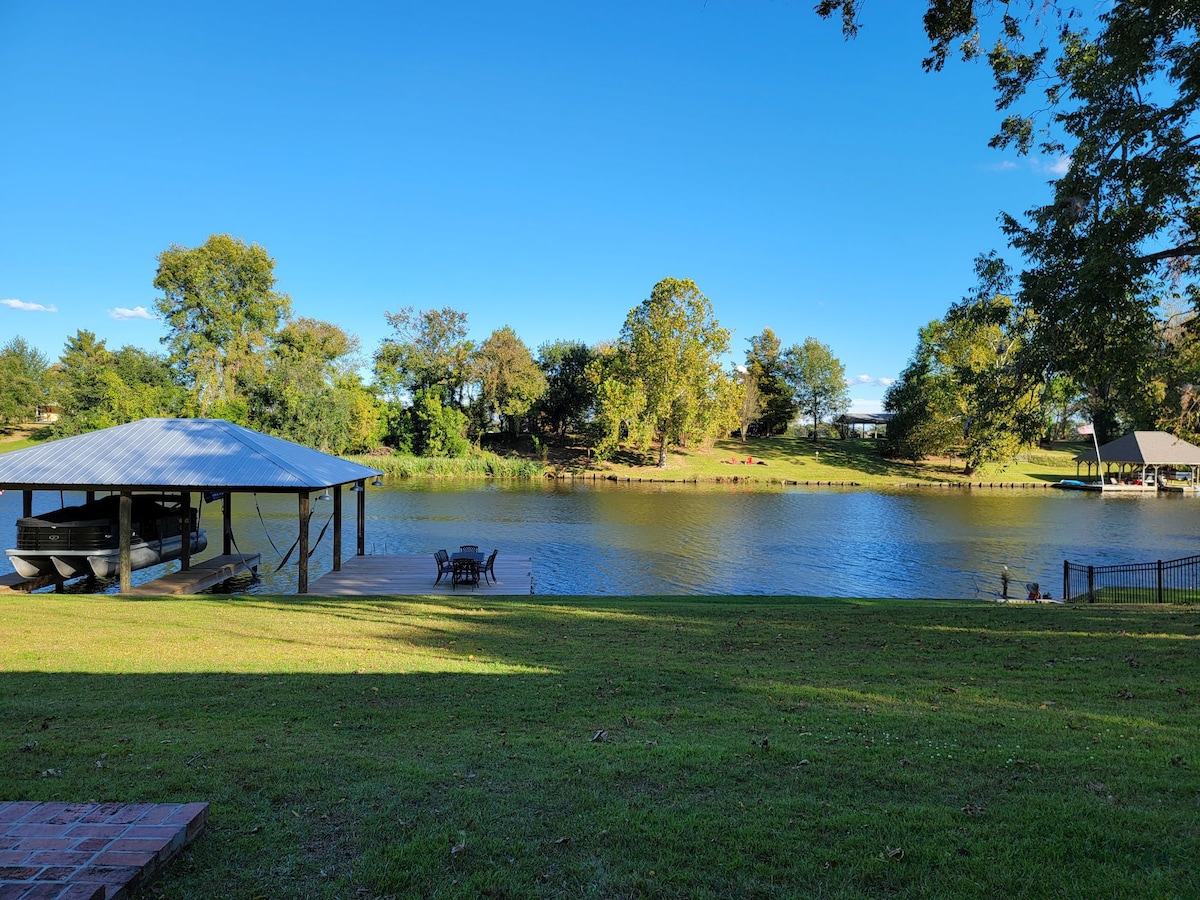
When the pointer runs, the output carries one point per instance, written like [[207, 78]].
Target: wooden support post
[[125, 533], [337, 528], [26, 504], [362, 518], [185, 547], [302, 563], [227, 524]]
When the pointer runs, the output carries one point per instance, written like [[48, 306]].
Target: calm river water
[[641, 538]]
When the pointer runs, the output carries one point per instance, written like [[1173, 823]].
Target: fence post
[[1066, 594], [1091, 584], [1160, 589]]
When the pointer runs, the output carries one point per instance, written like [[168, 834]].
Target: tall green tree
[[221, 309], [23, 381], [818, 381], [765, 363], [428, 349], [570, 395], [673, 391], [509, 380]]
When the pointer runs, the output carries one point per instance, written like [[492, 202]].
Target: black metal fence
[[1174, 581]]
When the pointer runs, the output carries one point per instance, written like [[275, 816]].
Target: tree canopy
[[221, 308], [765, 365], [429, 349], [23, 381], [818, 381], [510, 382], [667, 380]]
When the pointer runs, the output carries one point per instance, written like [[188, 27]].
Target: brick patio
[[89, 851]]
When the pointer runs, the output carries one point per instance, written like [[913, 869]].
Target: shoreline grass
[[623, 747]]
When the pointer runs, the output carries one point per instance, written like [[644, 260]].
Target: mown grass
[[653, 747], [793, 458]]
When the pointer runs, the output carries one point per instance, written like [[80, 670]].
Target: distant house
[[877, 422], [48, 412]]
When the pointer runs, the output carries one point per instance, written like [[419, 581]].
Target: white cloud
[[868, 379], [28, 307], [138, 312], [1056, 165], [1039, 165]]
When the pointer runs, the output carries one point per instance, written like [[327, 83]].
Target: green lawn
[[791, 458], [652, 747]]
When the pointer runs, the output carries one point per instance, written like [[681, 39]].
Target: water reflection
[[605, 538]]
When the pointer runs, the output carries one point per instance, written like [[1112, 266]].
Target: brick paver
[[89, 851]]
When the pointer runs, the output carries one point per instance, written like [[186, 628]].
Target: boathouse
[[1146, 458], [179, 457]]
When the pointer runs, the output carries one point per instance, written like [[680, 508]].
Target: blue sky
[[535, 164]]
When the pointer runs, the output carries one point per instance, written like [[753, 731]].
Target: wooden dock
[[13, 583], [413, 575], [200, 576]]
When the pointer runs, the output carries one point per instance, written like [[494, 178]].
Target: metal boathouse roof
[[157, 454], [1146, 448]]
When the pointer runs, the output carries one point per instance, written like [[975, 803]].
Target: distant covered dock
[[1141, 453], [877, 421]]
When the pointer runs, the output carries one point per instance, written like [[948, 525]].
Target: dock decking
[[12, 583], [200, 576], [413, 574]]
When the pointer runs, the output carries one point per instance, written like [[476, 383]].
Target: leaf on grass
[[50, 773], [895, 852], [29, 746], [974, 809], [457, 848], [599, 736], [1124, 694], [1046, 704], [558, 842]]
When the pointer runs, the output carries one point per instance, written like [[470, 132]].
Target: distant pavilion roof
[[1146, 448], [865, 418], [176, 454]]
